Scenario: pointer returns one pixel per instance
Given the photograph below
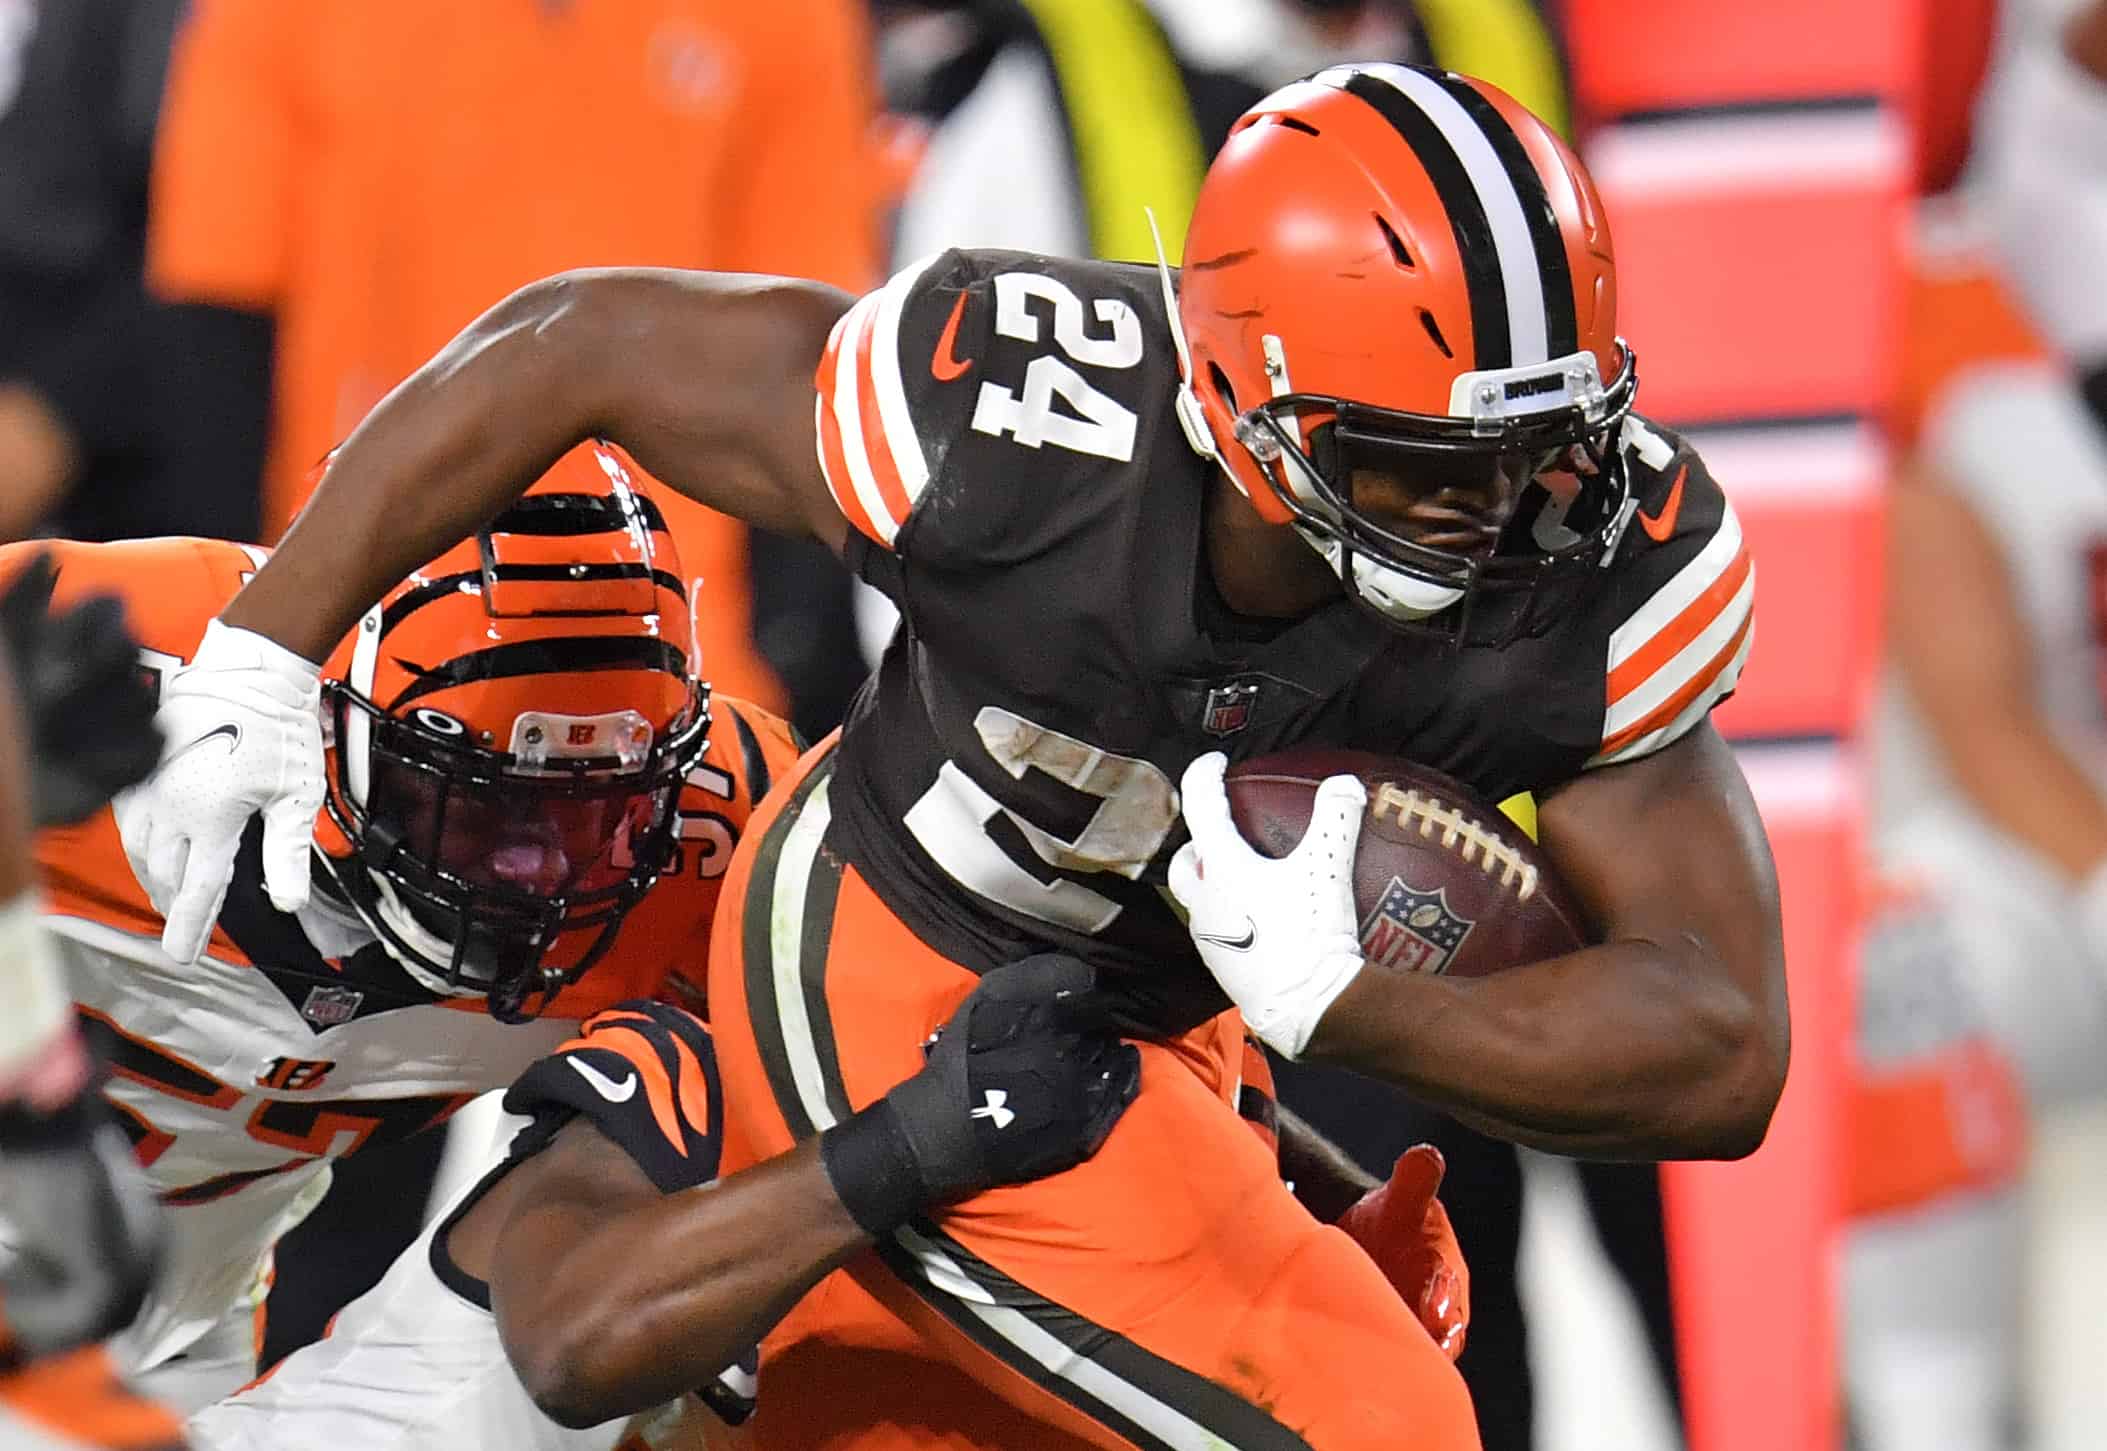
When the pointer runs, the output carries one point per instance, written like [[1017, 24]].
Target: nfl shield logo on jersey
[[1411, 930], [328, 1006], [1229, 707]]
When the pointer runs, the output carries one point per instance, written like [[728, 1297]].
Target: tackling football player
[[1367, 475], [519, 746], [621, 1273]]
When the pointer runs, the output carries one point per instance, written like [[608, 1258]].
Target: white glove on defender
[[244, 734], [1278, 935]]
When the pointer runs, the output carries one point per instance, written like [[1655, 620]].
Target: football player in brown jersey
[[1365, 475]]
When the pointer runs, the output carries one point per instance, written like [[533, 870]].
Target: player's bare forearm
[[1966, 654], [1669, 1040], [1606, 1053], [1325, 1181], [706, 378], [612, 1298], [2011, 766]]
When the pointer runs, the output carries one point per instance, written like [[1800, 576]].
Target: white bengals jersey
[[2015, 441], [416, 1364], [296, 1040]]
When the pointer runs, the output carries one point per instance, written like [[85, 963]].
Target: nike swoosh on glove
[[1277, 933], [243, 727], [1404, 1229]]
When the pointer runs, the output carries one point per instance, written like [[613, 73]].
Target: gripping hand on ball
[[1278, 934]]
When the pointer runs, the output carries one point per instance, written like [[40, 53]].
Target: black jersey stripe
[[1491, 329], [1156, 1403], [757, 950], [568, 654], [815, 940], [752, 758], [1561, 317], [904, 1267]]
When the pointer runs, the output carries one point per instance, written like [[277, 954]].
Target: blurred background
[[1862, 252]]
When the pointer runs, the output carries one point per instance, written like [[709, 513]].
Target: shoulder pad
[[1684, 596], [877, 411], [646, 1074], [965, 406]]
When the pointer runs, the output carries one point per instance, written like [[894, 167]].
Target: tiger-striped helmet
[[507, 734]]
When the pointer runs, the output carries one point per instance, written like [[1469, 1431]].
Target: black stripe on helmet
[[1561, 320], [565, 515], [570, 654], [1467, 219], [752, 757], [440, 587]]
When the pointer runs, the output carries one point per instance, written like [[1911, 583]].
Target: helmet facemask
[[1417, 512], [472, 863], [508, 733]]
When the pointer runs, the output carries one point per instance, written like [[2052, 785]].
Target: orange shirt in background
[[378, 172], [1960, 314]]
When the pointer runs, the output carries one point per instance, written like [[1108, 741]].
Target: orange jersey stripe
[[876, 449], [1672, 707], [694, 1088], [658, 1084], [1680, 631], [833, 461]]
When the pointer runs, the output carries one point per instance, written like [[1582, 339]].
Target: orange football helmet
[[507, 733], [1400, 273]]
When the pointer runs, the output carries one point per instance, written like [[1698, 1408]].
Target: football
[[1443, 881]]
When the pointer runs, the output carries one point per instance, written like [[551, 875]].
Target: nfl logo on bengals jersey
[[1412, 931], [328, 1006]]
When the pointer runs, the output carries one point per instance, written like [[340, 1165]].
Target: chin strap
[[1191, 417]]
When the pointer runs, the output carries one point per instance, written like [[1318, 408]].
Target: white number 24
[[1098, 425]]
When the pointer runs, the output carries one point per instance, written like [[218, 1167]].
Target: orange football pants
[[1169, 1293]]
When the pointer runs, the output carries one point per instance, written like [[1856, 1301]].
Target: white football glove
[[1278, 935], [244, 732]]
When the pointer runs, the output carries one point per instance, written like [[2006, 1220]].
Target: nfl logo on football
[[1412, 931]]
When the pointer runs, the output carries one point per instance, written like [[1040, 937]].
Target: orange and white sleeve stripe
[[869, 448], [1682, 651]]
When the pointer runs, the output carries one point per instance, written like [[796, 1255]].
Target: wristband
[[871, 1164]]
